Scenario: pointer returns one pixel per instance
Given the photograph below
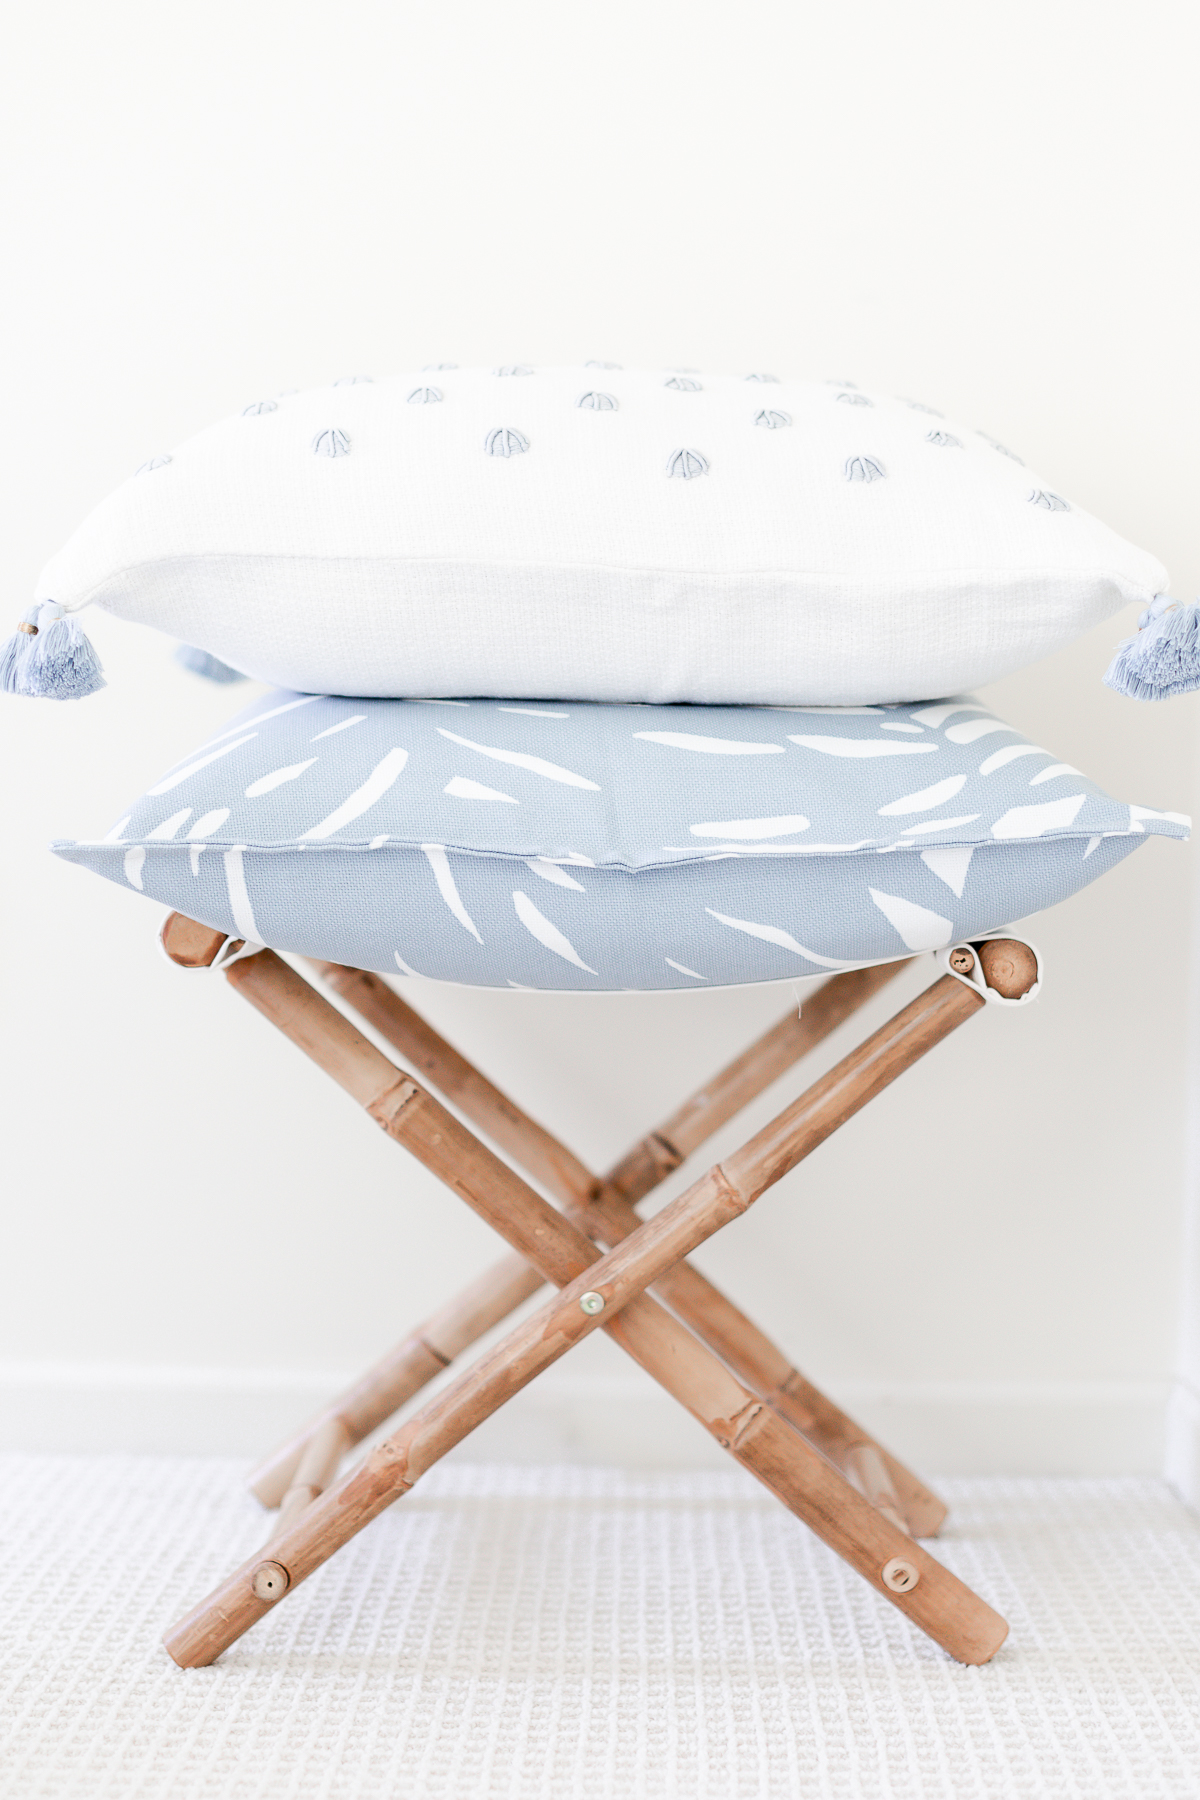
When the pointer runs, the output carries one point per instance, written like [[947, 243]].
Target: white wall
[[992, 208]]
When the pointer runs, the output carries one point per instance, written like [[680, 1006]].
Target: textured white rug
[[520, 1632]]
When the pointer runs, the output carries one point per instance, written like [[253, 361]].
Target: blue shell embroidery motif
[[687, 464], [424, 396], [944, 439], [854, 399], [258, 407], [593, 401], [772, 419], [774, 378], [331, 442], [156, 462], [864, 468], [593, 364], [682, 384], [1049, 502], [513, 369], [352, 381], [504, 441]]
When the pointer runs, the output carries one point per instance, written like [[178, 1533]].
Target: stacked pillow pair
[[659, 582]]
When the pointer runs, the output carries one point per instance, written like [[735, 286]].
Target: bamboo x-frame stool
[[826, 1469]]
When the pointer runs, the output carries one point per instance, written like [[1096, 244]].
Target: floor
[[514, 1633]]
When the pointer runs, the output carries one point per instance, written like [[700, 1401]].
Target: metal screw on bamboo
[[269, 1582], [941, 1605], [900, 1575]]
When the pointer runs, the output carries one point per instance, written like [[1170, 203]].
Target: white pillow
[[605, 534]]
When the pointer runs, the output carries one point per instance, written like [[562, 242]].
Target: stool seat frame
[[612, 1271]]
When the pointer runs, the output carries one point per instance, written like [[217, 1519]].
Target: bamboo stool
[[826, 1469]]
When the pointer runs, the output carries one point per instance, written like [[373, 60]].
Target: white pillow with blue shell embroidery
[[591, 533]]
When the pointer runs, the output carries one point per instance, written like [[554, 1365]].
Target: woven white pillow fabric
[[605, 534]]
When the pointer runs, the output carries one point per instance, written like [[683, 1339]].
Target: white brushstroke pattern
[[775, 934], [937, 715], [1000, 759], [239, 897], [193, 768], [342, 725], [1032, 821], [540, 927], [541, 865], [403, 966], [377, 843], [195, 852], [209, 822], [709, 746], [461, 787], [938, 824], [926, 799], [534, 712], [170, 826], [439, 862], [1148, 812], [115, 835], [537, 765], [973, 729], [373, 788], [1093, 843], [719, 851], [840, 746], [919, 928], [266, 784], [135, 856], [950, 864], [784, 826], [683, 969], [1053, 772], [897, 726]]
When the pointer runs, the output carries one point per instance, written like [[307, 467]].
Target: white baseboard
[[948, 1428], [1182, 1463]]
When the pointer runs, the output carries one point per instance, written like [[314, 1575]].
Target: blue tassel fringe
[[1163, 659], [62, 663], [199, 662], [56, 662]]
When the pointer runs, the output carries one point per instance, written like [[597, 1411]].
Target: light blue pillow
[[593, 847]]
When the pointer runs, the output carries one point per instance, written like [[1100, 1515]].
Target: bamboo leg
[[317, 1468], [396, 1377], [605, 1210], [928, 1593]]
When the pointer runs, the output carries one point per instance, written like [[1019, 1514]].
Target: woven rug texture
[[573, 1633]]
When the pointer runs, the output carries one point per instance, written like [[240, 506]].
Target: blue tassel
[[62, 664], [199, 662], [15, 653], [1164, 658]]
